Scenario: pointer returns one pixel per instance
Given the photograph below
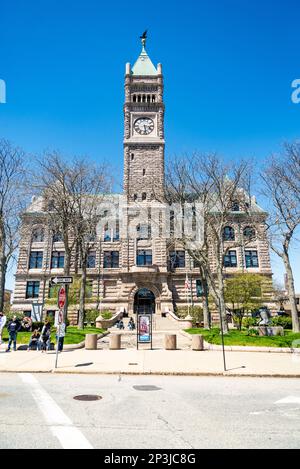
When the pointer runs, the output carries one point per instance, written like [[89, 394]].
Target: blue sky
[[228, 69]]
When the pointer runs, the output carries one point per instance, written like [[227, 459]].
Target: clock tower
[[143, 130]]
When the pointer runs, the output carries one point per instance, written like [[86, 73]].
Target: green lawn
[[73, 335], [235, 337]]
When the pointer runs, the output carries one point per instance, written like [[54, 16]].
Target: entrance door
[[144, 301]]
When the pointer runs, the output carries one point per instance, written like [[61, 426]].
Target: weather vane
[[143, 37]]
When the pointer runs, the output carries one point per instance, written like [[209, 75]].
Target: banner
[[144, 328]]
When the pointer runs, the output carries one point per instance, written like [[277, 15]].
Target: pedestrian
[[34, 340], [2, 324], [13, 328], [46, 336], [60, 336], [131, 325]]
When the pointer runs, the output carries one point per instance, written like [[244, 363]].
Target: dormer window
[[235, 206]]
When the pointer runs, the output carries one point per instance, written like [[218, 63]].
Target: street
[[158, 412]]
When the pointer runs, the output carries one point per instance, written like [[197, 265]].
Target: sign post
[[59, 316]]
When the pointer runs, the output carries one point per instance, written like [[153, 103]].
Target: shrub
[[106, 314], [195, 311], [91, 315], [252, 332], [284, 321], [11, 314], [250, 322]]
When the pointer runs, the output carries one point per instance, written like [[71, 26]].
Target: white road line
[[69, 436], [289, 400]]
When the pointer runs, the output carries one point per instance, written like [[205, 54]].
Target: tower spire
[[143, 37], [143, 65]]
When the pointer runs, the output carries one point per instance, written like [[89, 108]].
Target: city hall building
[[125, 271]]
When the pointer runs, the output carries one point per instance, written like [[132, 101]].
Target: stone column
[[91, 341], [170, 341], [115, 342], [197, 342]]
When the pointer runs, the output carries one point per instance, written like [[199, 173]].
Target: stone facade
[[135, 233]]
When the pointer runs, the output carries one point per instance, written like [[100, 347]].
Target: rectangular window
[[177, 259], [91, 260], [111, 259], [230, 259], [57, 260], [36, 260], [144, 257], [199, 288], [251, 258], [32, 289]]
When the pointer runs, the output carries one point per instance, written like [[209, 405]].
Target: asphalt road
[[39, 411]]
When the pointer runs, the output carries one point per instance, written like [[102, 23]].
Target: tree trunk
[[291, 291], [3, 266], [205, 306], [82, 293], [221, 300], [2, 281]]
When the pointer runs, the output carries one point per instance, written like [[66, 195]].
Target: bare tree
[[12, 200], [73, 190], [282, 188], [220, 188], [88, 192]]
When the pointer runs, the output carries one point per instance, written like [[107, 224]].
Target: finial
[[143, 37]]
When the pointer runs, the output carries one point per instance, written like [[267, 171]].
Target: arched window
[[139, 98], [134, 98], [228, 233], [235, 207], [249, 232], [38, 235], [144, 196], [148, 98], [153, 98], [57, 237], [144, 98]]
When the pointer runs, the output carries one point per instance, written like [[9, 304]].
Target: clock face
[[144, 126]]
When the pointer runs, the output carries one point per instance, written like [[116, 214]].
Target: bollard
[[91, 341], [115, 342], [170, 342], [197, 342]]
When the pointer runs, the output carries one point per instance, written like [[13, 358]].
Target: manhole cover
[[87, 397], [146, 387]]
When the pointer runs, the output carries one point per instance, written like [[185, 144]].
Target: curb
[[240, 348], [66, 346], [220, 374]]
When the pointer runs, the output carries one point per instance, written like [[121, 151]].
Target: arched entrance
[[144, 301]]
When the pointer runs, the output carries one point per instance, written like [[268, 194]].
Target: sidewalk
[[131, 361]]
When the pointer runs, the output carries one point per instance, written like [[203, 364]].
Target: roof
[[143, 66]]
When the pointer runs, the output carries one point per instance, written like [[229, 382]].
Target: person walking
[[2, 324], [60, 336], [13, 328], [46, 336]]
